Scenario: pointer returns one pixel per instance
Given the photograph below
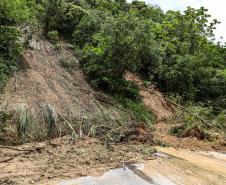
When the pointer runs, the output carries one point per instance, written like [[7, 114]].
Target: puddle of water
[[218, 155], [160, 154], [130, 175]]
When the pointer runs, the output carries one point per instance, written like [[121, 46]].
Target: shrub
[[221, 120], [190, 124], [62, 16], [122, 44], [53, 36], [69, 63], [10, 50], [10, 44], [57, 47], [138, 109], [51, 119]]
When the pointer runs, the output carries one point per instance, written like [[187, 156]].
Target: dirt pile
[[50, 97]]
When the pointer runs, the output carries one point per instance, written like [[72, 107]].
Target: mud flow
[[171, 167]]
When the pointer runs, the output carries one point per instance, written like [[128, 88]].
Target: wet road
[[172, 167]]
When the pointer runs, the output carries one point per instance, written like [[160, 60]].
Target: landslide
[[50, 98], [165, 112]]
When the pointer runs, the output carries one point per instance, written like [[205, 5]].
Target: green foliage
[[12, 14], [191, 62], [5, 71], [122, 43], [88, 26], [53, 36], [138, 109], [144, 11], [10, 45], [220, 121], [62, 16], [16, 11], [188, 124], [57, 47], [10, 50]]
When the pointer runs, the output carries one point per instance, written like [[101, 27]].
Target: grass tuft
[[138, 110], [23, 123], [50, 118]]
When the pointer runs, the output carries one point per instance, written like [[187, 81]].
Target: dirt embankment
[[45, 100]]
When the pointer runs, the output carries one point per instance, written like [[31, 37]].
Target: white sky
[[217, 8]]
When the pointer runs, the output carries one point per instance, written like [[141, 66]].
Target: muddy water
[[171, 166]]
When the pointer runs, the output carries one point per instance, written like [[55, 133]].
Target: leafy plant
[[200, 123], [53, 36], [138, 109]]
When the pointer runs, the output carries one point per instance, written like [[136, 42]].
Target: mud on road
[[170, 167], [64, 158]]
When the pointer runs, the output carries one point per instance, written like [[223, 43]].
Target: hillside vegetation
[[175, 50]]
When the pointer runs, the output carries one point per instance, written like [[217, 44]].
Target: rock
[[32, 182]]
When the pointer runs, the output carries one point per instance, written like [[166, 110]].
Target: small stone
[[188, 172], [32, 182]]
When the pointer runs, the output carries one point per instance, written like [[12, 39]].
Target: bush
[[69, 63], [116, 49], [10, 44], [62, 16], [189, 125], [53, 36], [10, 50], [138, 109], [221, 121]]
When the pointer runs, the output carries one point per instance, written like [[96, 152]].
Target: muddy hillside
[[50, 97]]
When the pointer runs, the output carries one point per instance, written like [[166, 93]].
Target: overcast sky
[[217, 8]]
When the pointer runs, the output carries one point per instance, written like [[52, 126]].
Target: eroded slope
[[44, 99]]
